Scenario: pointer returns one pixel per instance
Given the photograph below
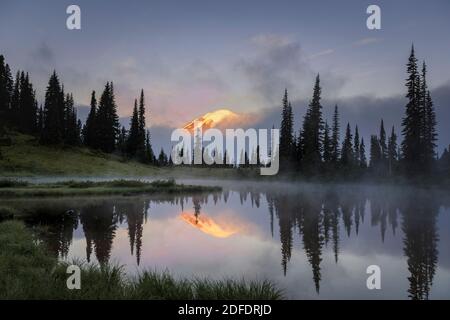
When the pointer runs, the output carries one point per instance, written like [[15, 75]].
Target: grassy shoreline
[[17, 188], [27, 271]]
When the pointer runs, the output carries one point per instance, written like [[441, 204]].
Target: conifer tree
[[6, 90], [107, 121], [89, 130], [312, 134], [428, 117], [122, 141], [347, 155], [162, 158], [383, 146], [356, 147], [71, 130], [327, 146], [141, 137], [375, 153], [362, 155], [411, 123], [133, 137], [149, 155], [392, 152], [53, 128], [335, 137], [286, 130]]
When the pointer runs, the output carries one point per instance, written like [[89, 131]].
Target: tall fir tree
[[133, 136], [375, 154], [27, 106], [89, 130], [392, 152], [362, 155], [312, 133], [335, 137], [149, 155], [356, 152], [327, 146], [6, 91], [107, 121], [71, 130], [140, 149], [122, 141], [428, 127], [53, 128], [411, 122], [286, 130], [383, 145], [347, 155]]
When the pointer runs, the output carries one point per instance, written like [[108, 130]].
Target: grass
[[28, 272], [26, 157], [8, 188]]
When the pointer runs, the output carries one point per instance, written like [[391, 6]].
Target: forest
[[407, 150]]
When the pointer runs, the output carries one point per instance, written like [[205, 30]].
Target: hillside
[[26, 157]]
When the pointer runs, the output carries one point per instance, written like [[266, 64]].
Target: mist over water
[[314, 241]]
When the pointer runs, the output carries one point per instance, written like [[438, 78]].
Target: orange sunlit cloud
[[209, 226]]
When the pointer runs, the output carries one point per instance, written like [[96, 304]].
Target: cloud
[[321, 53], [271, 40], [278, 63], [43, 53], [367, 41]]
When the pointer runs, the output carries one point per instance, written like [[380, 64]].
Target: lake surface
[[314, 241]]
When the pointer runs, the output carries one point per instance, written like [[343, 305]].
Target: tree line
[[316, 149], [56, 122]]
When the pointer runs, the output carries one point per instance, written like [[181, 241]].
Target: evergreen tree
[[347, 155], [356, 147], [14, 113], [6, 90], [335, 137], [40, 120], [149, 155], [428, 128], [392, 151], [375, 153], [362, 155], [286, 130], [141, 137], [122, 141], [411, 123], [89, 130], [27, 106], [312, 133], [71, 130], [162, 159], [133, 137], [382, 142], [107, 121], [327, 146], [53, 128]]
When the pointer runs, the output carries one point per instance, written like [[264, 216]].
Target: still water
[[313, 241]]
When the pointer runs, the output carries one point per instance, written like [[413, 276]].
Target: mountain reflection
[[319, 217]]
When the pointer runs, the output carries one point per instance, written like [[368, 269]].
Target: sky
[[193, 56]]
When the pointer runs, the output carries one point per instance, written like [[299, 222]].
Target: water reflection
[[312, 221]]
